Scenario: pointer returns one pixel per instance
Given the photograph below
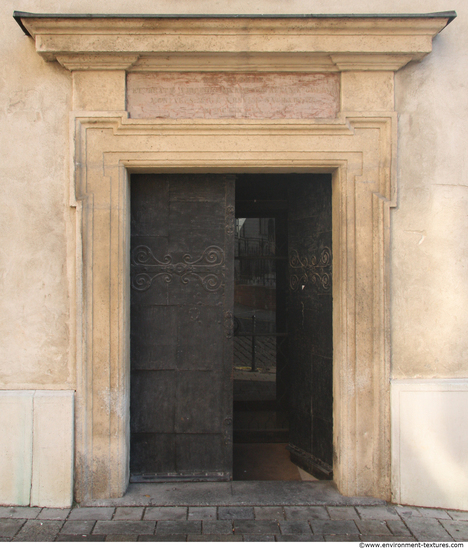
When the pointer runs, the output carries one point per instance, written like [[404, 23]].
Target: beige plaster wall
[[429, 294], [430, 225], [34, 300]]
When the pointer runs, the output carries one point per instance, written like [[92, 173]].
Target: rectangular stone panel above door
[[233, 95]]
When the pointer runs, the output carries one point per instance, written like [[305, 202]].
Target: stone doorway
[[110, 154]]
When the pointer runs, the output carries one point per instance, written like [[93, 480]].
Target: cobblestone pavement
[[233, 523]]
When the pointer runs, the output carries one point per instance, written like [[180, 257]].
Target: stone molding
[[177, 43], [357, 149], [95, 62]]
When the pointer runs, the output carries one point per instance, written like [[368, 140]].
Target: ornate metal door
[[181, 326], [310, 323]]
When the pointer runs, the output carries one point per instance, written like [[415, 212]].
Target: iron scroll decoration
[[310, 269], [208, 269]]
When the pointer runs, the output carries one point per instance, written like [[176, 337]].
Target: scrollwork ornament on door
[[208, 269], [310, 269], [143, 255], [143, 281], [213, 255]]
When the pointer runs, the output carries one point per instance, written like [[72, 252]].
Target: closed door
[[181, 326]]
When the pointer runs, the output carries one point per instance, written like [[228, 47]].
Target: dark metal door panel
[[310, 324], [282, 354], [181, 326]]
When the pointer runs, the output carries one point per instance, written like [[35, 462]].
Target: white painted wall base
[[36, 448], [16, 446], [430, 443]]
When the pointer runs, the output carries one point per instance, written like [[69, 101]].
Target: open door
[[181, 327], [309, 313]]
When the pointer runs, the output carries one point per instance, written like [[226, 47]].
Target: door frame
[[357, 150]]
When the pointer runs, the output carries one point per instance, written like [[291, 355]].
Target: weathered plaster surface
[[430, 225], [34, 300]]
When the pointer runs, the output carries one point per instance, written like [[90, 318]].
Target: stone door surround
[[358, 147]]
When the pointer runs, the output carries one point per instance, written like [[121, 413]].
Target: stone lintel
[[341, 43]]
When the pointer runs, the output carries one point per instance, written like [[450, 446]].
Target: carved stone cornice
[[241, 43]]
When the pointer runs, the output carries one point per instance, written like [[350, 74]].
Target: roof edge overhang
[[296, 42]]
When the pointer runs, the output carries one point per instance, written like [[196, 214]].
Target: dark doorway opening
[[282, 343], [231, 327]]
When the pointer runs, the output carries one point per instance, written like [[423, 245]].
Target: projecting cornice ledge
[[302, 43]]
